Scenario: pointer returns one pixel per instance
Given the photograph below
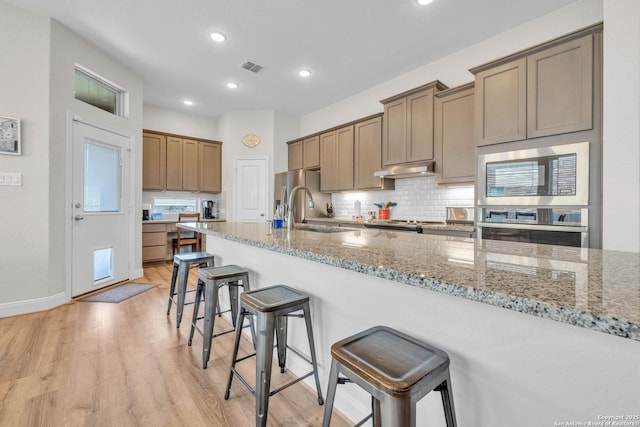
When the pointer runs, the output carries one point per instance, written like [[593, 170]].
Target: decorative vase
[[383, 213]]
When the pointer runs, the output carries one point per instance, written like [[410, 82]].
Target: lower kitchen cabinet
[[455, 145], [154, 242]]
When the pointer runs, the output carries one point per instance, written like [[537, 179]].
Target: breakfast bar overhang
[[537, 334]]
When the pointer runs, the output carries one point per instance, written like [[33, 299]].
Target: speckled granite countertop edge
[[597, 322]]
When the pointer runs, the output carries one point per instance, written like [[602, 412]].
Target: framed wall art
[[10, 136]]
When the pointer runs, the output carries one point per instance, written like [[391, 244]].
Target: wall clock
[[9, 136], [251, 140]]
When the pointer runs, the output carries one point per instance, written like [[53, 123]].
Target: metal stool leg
[[172, 289], [331, 394], [236, 345], [183, 277], [447, 402], [281, 341], [397, 412], [211, 289], [196, 309], [312, 348], [264, 351]]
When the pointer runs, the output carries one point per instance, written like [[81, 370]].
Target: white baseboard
[[137, 273], [31, 306]]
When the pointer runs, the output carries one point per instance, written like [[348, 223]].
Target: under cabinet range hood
[[407, 171]]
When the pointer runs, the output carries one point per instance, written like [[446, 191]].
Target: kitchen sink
[[322, 229]]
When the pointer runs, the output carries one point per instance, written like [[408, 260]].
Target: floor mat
[[119, 293]]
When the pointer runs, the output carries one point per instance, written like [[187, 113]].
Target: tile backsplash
[[417, 198]]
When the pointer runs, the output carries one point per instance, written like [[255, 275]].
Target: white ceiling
[[350, 45]]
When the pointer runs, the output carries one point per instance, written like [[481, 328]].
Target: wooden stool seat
[[396, 369]]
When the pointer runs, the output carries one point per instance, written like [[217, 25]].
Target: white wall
[[180, 123], [25, 210], [37, 86], [621, 126]]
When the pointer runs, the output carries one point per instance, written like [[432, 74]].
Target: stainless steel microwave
[[555, 175]]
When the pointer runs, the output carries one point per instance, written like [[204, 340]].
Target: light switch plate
[[11, 178]]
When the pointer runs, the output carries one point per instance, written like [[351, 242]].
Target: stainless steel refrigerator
[[286, 181]]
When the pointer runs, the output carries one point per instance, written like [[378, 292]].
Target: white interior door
[[100, 230], [251, 189]]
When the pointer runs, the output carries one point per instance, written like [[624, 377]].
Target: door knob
[[78, 217]]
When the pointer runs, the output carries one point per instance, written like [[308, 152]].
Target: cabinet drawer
[[154, 239], [146, 228], [153, 253]]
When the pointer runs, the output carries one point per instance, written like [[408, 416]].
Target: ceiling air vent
[[250, 66]]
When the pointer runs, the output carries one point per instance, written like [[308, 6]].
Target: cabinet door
[[395, 133], [455, 138], [501, 102], [154, 158], [560, 82], [367, 153], [174, 163], [328, 162], [189, 165], [209, 167], [311, 152], [420, 126], [344, 141], [295, 155]]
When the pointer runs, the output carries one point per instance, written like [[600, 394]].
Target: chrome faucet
[[289, 206]]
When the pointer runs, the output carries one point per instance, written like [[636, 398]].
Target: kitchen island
[[537, 334]]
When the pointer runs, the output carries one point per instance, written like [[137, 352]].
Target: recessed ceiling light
[[304, 73], [232, 85], [218, 37], [424, 2], [187, 102]]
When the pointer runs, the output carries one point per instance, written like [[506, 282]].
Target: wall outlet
[[11, 178]]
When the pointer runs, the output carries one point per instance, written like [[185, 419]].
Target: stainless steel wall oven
[[538, 195]]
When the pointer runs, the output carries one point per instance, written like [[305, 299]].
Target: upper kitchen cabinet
[[304, 153], [182, 164], [311, 152], [367, 147], [455, 145], [177, 163], [154, 161], [408, 125], [542, 91], [295, 155], [209, 167], [336, 159], [502, 103]]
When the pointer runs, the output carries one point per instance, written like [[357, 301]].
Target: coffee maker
[[208, 209]]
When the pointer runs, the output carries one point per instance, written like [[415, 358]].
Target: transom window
[[97, 91]]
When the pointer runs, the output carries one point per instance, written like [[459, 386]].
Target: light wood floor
[[126, 364]]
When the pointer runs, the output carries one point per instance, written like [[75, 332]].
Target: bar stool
[[272, 306], [182, 263], [210, 280], [396, 369]]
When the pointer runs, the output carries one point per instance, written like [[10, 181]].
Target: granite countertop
[[175, 220], [590, 288]]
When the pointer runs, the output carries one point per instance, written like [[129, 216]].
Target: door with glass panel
[[100, 230]]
